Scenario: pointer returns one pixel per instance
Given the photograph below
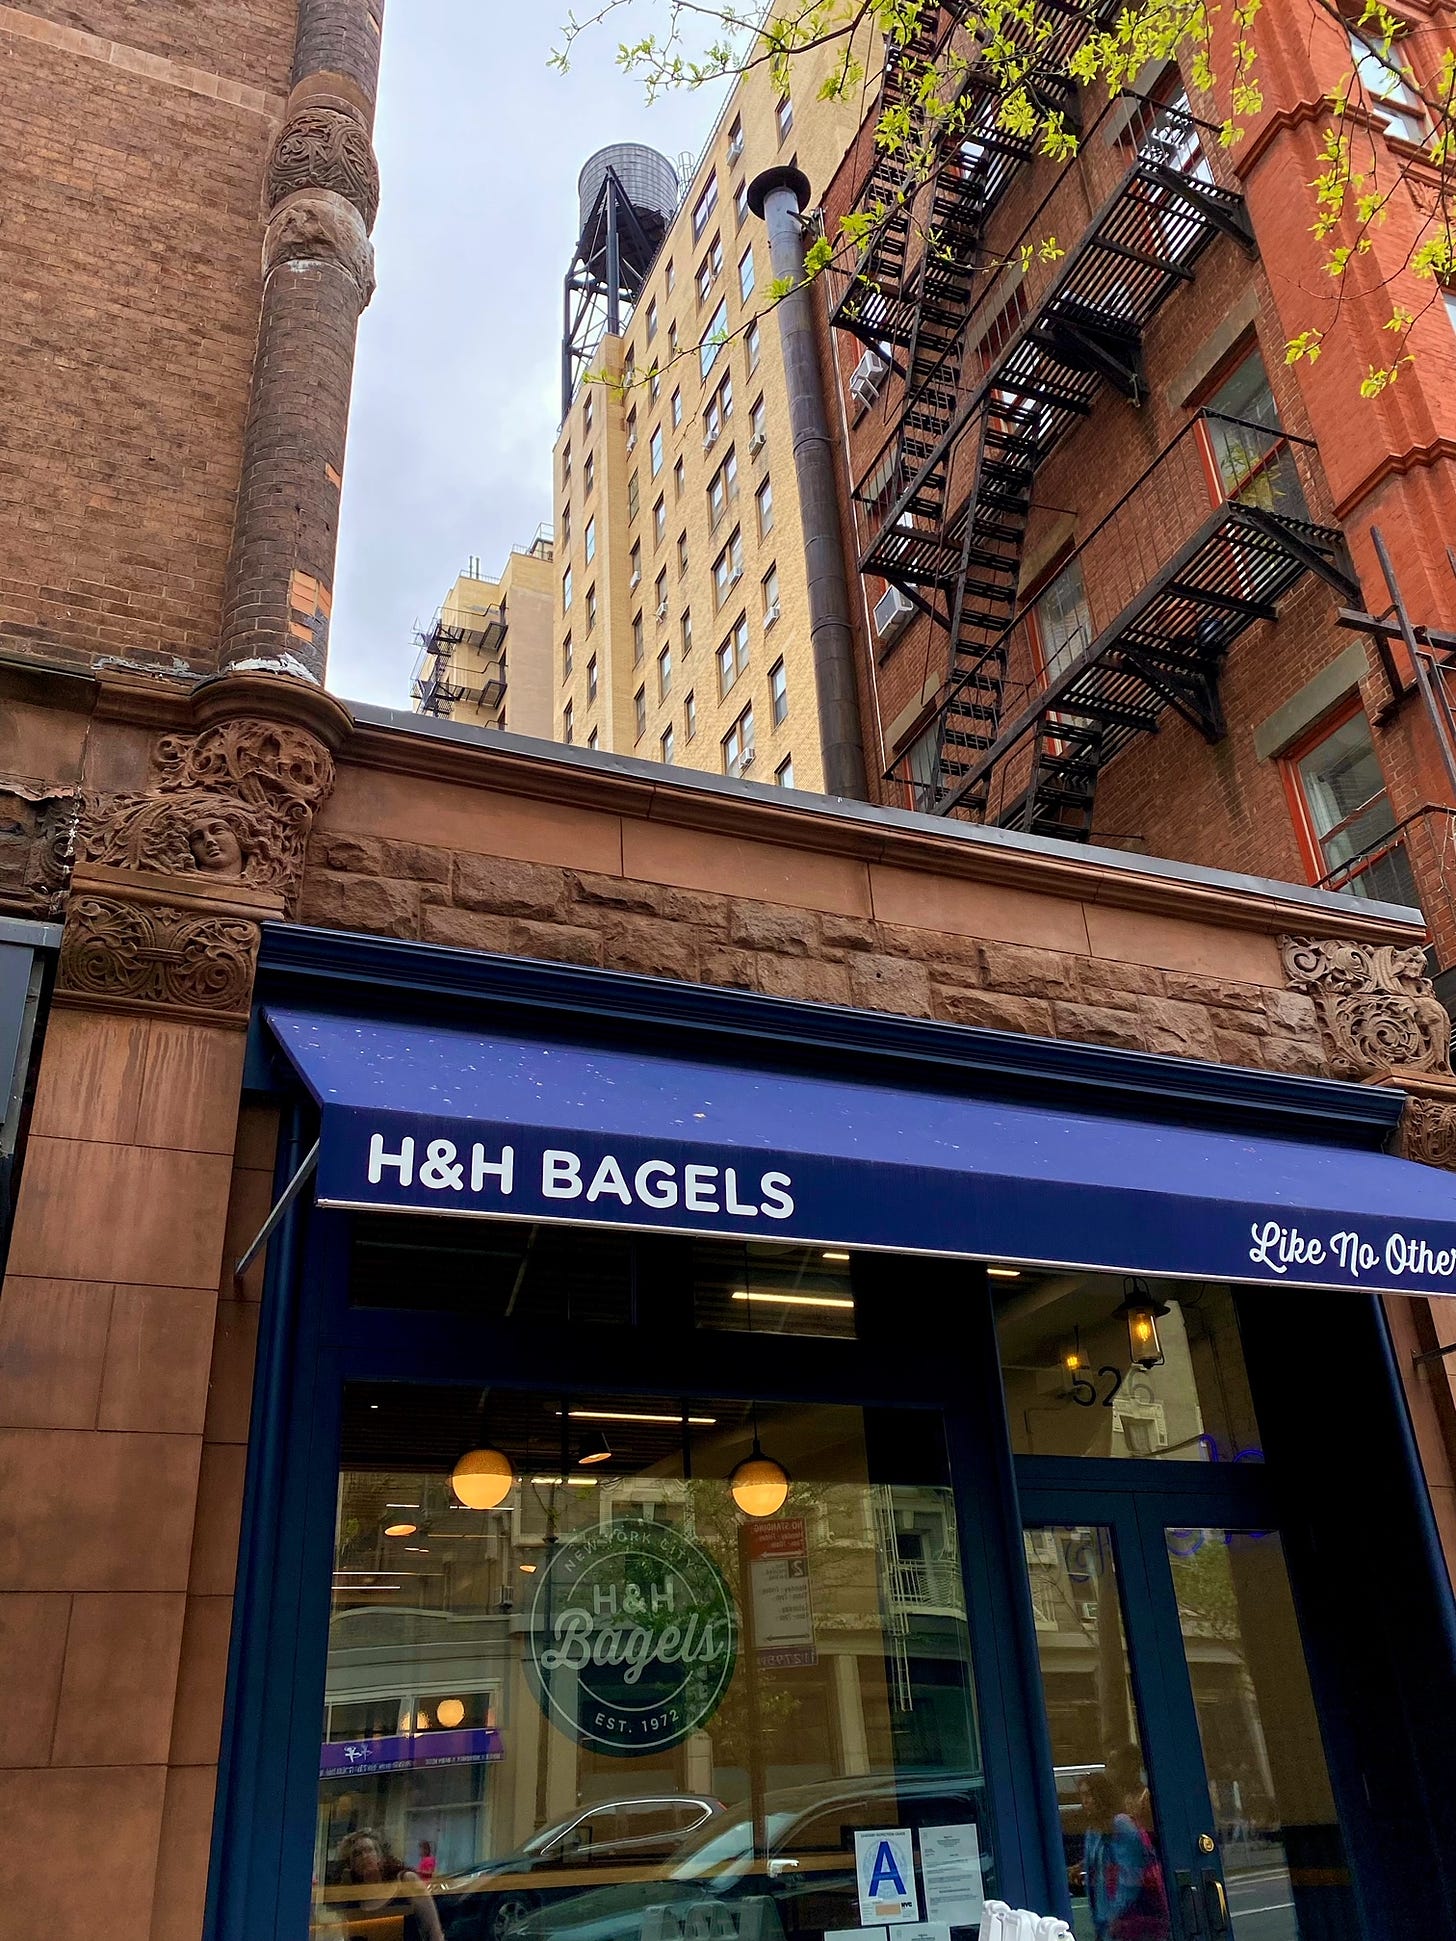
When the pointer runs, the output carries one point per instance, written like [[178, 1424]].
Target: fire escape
[[1003, 357], [432, 686]]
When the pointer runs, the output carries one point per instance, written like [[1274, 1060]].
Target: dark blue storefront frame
[[263, 1838]]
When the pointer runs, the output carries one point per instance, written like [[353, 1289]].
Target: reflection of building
[[486, 658]]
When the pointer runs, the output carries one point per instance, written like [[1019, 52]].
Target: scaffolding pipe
[[778, 196]]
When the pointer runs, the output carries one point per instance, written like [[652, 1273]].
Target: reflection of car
[[801, 1880], [487, 1902]]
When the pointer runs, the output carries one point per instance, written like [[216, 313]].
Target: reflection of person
[[1125, 1770], [427, 1860], [1123, 1880], [386, 1887]]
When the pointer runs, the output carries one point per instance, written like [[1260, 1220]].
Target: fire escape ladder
[[874, 305], [1166, 649]]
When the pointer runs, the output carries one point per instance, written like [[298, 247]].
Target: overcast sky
[[457, 387]]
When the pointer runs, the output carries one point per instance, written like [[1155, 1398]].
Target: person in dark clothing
[[384, 1892]]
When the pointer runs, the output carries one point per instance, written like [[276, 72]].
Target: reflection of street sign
[[633, 1637], [406, 1751], [783, 1610]]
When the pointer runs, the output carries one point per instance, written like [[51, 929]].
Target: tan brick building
[[678, 534], [487, 659]]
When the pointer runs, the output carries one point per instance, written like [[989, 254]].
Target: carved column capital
[[323, 147], [151, 955], [232, 804], [171, 882], [1377, 1006], [318, 226]]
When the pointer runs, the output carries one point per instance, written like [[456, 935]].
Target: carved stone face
[[215, 849]]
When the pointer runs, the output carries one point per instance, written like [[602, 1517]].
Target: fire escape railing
[[1207, 541], [432, 682]]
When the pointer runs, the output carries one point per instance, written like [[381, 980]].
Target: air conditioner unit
[[662, 610], [747, 761], [892, 610], [867, 377], [756, 443], [735, 149], [631, 441], [735, 576], [710, 439], [634, 582], [772, 615]]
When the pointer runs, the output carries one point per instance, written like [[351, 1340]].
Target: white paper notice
[[917, 1931], [950, 1861], [884, 1865], [854, 1934]]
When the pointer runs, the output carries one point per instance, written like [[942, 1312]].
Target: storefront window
[[614, 1703], [1074, 1388]]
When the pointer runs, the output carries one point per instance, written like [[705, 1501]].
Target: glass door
[[1192, 1784]]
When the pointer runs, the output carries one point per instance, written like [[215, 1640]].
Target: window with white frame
[[738, 744], [723, 488], [771, 596], [733, 656], [664, 673], [590, 537], [1384, 79], [745, 274], [690, 715], [764, 499], [753, 347], [784, 117], [778, 690], [639, 711], [1346, 824], [591, 679], [703, 208], [566, 591], [728, 568], [714, 338], [668, 744], [784, 773], [1063, 621], [654, 450]]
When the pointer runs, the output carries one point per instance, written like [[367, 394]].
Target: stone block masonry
[[469, 901]]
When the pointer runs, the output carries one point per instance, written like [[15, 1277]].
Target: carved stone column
[[320, 198], [125, 1347]]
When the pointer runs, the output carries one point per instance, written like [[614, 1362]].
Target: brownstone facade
[[187, 254]]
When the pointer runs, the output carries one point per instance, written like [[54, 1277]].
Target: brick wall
[[132, 150]]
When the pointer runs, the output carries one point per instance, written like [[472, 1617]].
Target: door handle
[[1215, 1903], [1190, 1917]]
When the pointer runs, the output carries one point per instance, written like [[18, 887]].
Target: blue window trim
[[389, 977]]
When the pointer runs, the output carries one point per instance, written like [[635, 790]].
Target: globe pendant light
[[759, 1485], [482, 1479]]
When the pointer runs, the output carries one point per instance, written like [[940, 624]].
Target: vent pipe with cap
[[779, 196]]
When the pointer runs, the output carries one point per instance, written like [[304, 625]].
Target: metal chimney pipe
[[779, 196]]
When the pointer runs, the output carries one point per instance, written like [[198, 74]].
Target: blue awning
[[488, 1124]]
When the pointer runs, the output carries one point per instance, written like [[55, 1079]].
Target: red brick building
[[1173, 514], [570, 1331]]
